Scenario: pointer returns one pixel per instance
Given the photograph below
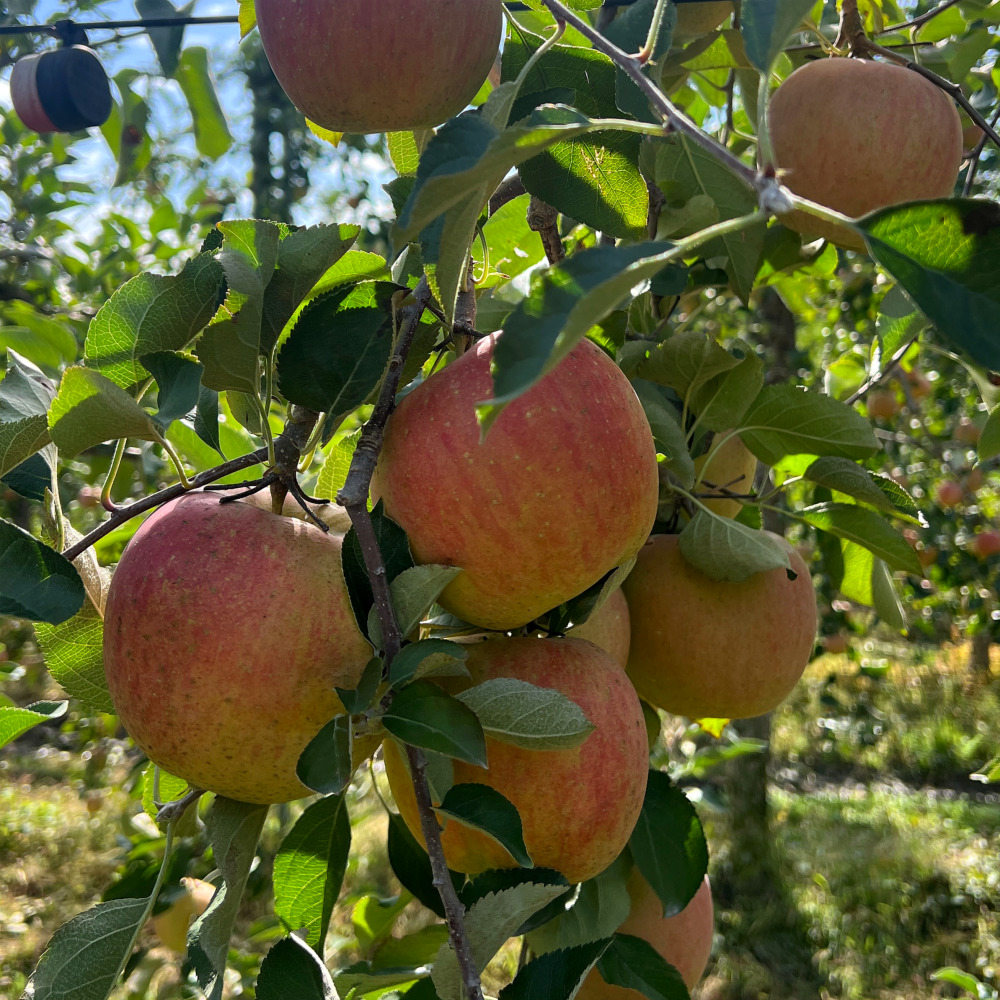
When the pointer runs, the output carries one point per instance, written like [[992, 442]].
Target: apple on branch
[[226, 630], [368, 66]]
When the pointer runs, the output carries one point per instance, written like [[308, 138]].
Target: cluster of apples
[[228, 627]]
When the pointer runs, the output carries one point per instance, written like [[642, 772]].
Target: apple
[[732, 466], [380, 65], [973, 481], [949, 493], [684, 940], [562, 488], [968, 432], [226, 630], [577, 806], [837, 643], [172, 924], [831, 124], [985, 544], [609, 627], [882, 404], [89, 497], [920, 386], [699, 17], [927, 555], [707, 648]]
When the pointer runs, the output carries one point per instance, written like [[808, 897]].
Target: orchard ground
[[888, 850]]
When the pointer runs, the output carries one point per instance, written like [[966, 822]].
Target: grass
[[883, 882]]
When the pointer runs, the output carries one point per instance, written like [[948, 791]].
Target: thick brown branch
[[544, 220], [511, 188]]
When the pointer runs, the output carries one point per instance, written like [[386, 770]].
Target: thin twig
[[920, 21], [544, 220], [975, 158], [773, 198], [123, 514]]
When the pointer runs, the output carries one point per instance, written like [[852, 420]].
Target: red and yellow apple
[[949, 493], [707, 648], [561, 489], [832, 122], [609, 627], [172, 924], [882, 404], [985, 544], [684, 940], [731, 466], [577, 806], [226, 630], [393, 65]]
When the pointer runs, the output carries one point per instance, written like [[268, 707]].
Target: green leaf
[[686, 362], [233, 829], [721, 401], [844, 476], [885, 600], [229, 364], [360, 698], [964, 981], [767, 25], [421, 659], [684, 171], [989, 773], [577, 610], [634, 964], [413, 592], [325, 764], [15, 722], [309, 869], [211, 131], [293, 971], [946, 255], [166, 41], [91, 409], [484, 808], [152, 313], [304, 257], [410, 864], [249, 255], [668, 844], [557, 974], [601, 906], [725, 549], [489, 922], [564, 303], [339, 347], [160, 787], [594, 179], [535, 718], [668, 434], [898, 323], [787, 421], [423, 715], [410, 951], [333, 475], [86, 956], [373, 918], [25, 397], [866, 528], [989, 440], [36, 582], [32, 477], [179, 382], [74, 656]]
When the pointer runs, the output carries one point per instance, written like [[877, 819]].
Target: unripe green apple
[[172, 924], [380, 65], [699, 18], [858, 135], [226, 630], [708, 648], [577, 806], [684, 940], [608, 627], [562, 488]]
